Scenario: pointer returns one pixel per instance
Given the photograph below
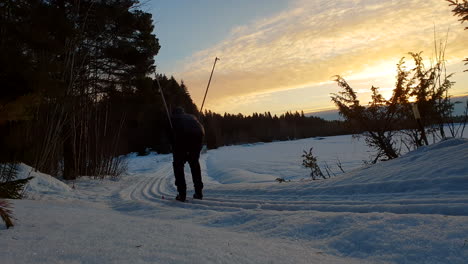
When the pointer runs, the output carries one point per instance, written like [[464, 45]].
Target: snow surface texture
[[410, 210]]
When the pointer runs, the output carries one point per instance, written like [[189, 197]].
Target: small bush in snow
[[280, 180], [310, 161], [10, 188], [5, 213]]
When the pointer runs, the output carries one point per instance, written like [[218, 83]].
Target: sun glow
[[378, 70], [265, 63]]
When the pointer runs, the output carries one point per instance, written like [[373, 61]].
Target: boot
[[180, 197], [198, 195]]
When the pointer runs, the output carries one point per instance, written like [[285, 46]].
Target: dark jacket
[[186, 127]]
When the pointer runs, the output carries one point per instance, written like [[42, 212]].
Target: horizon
[[333, 114], [280, 57]]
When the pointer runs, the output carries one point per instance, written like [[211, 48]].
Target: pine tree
[[10, 188], [6, 213], [310, 161], [381, 119], [460, 9]]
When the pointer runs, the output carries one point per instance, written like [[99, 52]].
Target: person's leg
[[178, 165], [193, 156]]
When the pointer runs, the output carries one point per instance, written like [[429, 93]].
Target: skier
[[187, 137]]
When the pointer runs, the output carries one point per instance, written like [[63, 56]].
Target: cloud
[[314, 40]]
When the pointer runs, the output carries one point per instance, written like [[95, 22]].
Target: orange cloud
[[314, 40]]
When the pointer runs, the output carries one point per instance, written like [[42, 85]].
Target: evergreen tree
[[382, 119], [10, 188], [6, 213], [460, 9]]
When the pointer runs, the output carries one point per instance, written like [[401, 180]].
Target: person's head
[[178, 111]]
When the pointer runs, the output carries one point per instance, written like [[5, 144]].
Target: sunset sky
[[281, 55]]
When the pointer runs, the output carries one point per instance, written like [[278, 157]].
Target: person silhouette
[[187, 135]]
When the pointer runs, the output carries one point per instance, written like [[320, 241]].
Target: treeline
[[231, 129], [75, 86]]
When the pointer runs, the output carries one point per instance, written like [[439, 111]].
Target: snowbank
[[43, 186]]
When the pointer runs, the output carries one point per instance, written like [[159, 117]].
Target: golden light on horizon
[[286, 62]]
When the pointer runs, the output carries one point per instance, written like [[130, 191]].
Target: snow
[[413, 209], [43, 186]]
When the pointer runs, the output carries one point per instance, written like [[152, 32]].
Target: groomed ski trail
[[156, 189]]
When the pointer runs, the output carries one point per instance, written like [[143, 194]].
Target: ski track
[[157, 189]]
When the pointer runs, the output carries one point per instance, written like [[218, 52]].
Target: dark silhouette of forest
[[229, 129]]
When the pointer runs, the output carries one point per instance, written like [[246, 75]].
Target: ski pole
[[208, 86], [164, 99]]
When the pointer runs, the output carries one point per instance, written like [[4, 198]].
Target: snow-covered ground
[[410, 210]]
